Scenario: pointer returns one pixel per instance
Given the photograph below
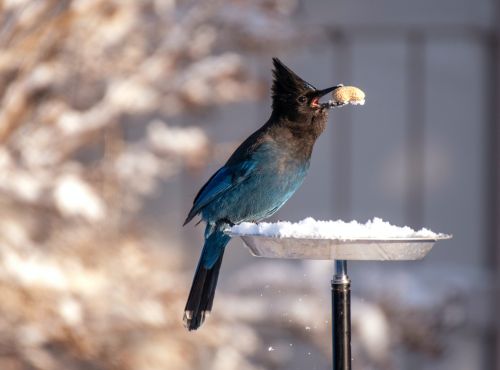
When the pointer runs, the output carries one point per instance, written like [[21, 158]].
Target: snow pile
[[312, 229]]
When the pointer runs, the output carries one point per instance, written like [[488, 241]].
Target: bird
[[257, 179]]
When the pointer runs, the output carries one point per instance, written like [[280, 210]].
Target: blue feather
[[215, 242], [224, 179]]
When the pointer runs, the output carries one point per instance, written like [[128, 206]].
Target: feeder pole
[[341, 317]]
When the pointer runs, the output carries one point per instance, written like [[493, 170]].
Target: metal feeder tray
[[341, 250]]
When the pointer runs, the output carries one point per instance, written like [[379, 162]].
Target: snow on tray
[[312, 229]]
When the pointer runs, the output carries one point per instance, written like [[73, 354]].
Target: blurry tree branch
[[69, 70], [80, 286]]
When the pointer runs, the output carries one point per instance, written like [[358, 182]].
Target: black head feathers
[[287, 85]]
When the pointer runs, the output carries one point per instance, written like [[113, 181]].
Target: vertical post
[[493, 197], [415, 135], [342, 133], [341, 317]]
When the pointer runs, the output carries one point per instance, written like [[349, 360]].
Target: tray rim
[[348, 240]]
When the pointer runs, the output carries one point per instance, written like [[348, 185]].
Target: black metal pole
[[341, 317]]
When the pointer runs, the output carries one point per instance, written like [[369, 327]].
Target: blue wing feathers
[[250, 187], [225, 178]]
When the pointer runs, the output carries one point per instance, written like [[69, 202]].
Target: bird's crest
[[286, 83]]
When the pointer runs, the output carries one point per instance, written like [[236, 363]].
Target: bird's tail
[[201, 296]]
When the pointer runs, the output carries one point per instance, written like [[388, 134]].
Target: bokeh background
[[114, 113]]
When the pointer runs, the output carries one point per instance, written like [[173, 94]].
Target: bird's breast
[[290, 165]]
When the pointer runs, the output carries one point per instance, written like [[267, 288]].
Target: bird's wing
[[221, 181]]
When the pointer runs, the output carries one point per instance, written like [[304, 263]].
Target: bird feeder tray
[[362, 249], [341, 250]]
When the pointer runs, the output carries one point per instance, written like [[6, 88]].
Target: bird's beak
[[326, 91], [315, 103]]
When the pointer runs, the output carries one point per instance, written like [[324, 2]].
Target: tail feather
[[201, 296]]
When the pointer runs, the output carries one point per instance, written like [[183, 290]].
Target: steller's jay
[[259, 177]]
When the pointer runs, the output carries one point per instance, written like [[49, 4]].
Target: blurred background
[[114, 113]]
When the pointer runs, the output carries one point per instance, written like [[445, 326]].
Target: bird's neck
[[301, 126], [297, 138]]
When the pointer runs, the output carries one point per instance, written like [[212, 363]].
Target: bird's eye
[[302, 99]]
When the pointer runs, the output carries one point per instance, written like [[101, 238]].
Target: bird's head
[[294, 97]]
